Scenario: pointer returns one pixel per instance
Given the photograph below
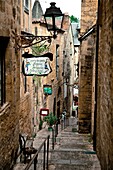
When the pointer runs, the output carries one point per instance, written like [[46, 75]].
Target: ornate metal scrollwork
[[26, 40]]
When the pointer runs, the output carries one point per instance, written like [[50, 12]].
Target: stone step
[[73, 167]]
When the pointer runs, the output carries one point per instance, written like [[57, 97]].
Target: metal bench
[[26, 147]]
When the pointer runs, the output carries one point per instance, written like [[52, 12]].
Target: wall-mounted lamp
[[53, 20]]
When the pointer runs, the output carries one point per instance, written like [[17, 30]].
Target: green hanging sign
[[47, 89]]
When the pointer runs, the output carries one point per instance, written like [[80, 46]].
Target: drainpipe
[[96, 80]]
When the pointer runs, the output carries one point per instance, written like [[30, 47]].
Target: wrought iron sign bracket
[[25, 41]]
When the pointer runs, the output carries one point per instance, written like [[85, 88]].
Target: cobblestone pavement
[[72, 151]]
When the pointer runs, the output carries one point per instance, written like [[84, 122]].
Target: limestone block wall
[[9, 121], [25, 116], [88, 14], [26, 103], [85, 92], [105, 87], [86, 63], [8, 136]]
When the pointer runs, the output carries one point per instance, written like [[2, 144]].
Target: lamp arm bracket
[[24, 41]]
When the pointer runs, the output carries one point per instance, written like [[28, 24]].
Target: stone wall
[[8, 136], [26, 103], [25, 116], [87, 53], [105, 87], [88, 14], [85, 94], [9, 121]]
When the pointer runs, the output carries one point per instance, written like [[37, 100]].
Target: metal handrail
[[55, 130], [34, 159], [54, 134]]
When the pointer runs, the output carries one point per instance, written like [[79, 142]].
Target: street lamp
[[53, 18]]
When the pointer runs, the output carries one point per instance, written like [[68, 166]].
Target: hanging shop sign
[[36, 65], [44, 111], [47, 89]]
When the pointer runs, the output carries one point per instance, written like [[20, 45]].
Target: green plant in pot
[[50, 119]]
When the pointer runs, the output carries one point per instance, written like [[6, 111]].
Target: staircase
[[73, 151]]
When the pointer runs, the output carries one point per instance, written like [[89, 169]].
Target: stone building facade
[[55, 101], [62, 70], [86, 61], [9, 82], [62, 49], [101, 82], [39, 29], [26, 83], [104, 114], [16, 90], [68, 65]]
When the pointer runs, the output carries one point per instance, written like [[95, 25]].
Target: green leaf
[[74, 19], [50, 119]]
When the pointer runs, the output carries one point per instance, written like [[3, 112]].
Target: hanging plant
[[39, 49]]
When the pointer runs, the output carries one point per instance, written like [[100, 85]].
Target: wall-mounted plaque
[[44, 111], [36, 65]]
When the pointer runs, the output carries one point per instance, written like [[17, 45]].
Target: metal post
[[52, 138], [64, 122], [47, 150], [57, 127], [44, 155], [35, 163]]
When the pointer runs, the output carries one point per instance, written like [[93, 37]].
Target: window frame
[[3, 45], [26, 6], [57, 61]]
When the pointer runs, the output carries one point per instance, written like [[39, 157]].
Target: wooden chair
[[26, 147]]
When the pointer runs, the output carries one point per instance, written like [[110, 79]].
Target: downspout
[[96, 81]]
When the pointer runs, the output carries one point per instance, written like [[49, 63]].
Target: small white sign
[[37, 66]]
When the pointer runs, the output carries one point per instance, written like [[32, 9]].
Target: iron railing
[[34, 161], [64, 123], [55, 131], [54, 134]]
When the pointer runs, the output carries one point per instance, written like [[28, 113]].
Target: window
[[25, 84], [57, 61], [36, 30], [26, 6], [3, 46]]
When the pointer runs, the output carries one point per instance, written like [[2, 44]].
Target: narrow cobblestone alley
[[72, 151]]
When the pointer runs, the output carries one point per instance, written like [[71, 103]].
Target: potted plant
[[50, 119]]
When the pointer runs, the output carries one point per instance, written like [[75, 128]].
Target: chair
[[26, 147]]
